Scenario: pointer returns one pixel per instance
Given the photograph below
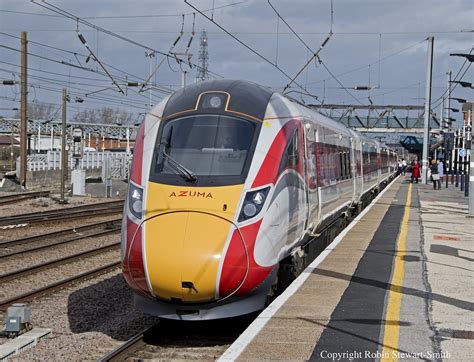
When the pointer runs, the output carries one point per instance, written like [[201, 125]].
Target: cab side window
[[290, 155]]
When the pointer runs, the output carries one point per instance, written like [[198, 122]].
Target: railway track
[[98, 209], [129, 347], [17, 247], [194, 340], [61, 284], [13, 198], [25, 278], [6, 277], [180, 340]]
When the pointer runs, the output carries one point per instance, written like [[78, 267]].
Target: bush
[[5, 153]]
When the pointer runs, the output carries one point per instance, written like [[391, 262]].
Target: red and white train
[[228, 180]]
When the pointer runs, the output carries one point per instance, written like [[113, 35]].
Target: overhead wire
[[171, 49], [338, 81], [373, 63], [314, 54], [94, 56], [125, 16], [80, 20], [186, 52], [311, 50], [75, 54], [99, 98], [54, 73], [441, 98], [66, 83], [124, 79], [249, 48], [396, 89], [75, 109], [180, 35], [55, 81], [52, 60]]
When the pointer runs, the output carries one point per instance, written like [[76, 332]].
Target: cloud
[[356, 43]]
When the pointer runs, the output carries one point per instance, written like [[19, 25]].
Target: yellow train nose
[[183, 250]]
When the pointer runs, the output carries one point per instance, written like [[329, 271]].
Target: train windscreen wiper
[[179, 168]]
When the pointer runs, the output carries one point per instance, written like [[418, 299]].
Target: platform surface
[[397, 284]]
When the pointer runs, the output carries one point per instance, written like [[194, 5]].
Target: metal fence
[[117, 163]]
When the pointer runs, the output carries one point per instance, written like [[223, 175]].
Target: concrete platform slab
[[417, 254], [20, 343]]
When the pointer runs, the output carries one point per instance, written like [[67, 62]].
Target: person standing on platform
[[435, 174], [440, 172], [404, 166], [415, 171], [400, 167]]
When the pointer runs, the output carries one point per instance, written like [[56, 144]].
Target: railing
[[116, 162]]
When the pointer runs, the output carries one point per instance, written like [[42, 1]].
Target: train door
[[379, 164], [353, 168], [361, 167], [311, 175]]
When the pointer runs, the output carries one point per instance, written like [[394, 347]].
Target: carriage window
[[342, 165], [348, 164]]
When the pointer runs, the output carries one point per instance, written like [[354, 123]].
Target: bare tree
[[86, 116], [105, 115], [44, 111]]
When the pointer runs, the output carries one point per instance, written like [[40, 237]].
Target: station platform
[[396, 284]]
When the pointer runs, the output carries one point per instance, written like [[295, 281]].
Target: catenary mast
[[203, 58]]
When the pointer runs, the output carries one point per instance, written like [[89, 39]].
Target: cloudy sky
[[376, 43]]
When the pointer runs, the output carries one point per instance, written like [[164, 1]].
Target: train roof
[[252, 99], [245, 97]]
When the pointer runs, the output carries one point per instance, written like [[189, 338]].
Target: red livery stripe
[[132, 265], [268, 172], [136, 169], [235, 262], [234, 268]]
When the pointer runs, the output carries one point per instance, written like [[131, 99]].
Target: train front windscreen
[[204, 150]]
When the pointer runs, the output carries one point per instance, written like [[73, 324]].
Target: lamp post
[[469, 57], [470, 177], [64, 162], [427, 115], [463, 83]]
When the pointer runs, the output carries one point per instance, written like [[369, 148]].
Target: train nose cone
[[183, 251]]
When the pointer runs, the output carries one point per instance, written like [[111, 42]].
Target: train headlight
[[258, 198], [135, 200], [253, 203], [250, 210], [215, 102]]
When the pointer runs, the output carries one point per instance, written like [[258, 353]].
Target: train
[[229, 181]]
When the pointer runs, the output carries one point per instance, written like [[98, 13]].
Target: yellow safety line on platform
[[392, 314]]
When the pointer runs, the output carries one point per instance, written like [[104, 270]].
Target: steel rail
[[41, 247], [55, 262], [13, 198], [79, 207], [57, 285], [119, 353], [62, 214], [72, 231]]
